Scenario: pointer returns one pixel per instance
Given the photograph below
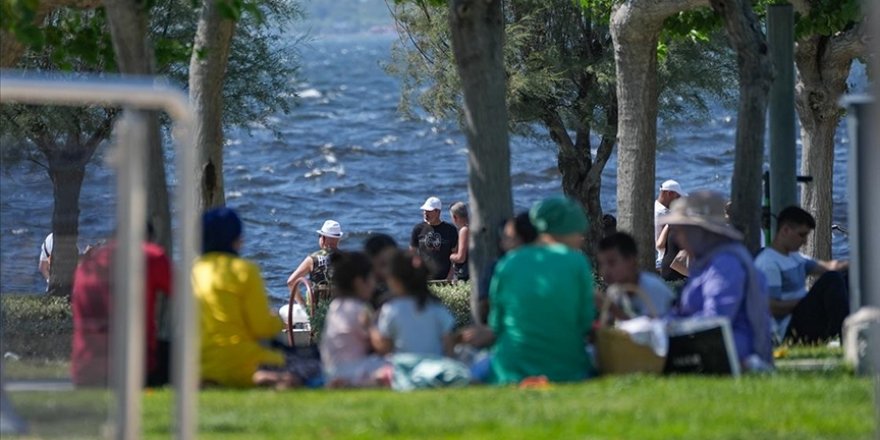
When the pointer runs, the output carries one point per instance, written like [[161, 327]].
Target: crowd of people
[[539, 300]]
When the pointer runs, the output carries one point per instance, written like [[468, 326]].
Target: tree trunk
[[755, 77], [67, 181], [635, 30], [821, 81], [207, 70], [477, 39], [129, 28]]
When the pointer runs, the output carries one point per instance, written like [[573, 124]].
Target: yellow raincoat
[[234, 316]]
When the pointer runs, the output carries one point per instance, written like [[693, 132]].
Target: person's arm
[[382, 335], [723, 289], [414, 238], [781, 308], [822, 266], [304, 268], [261, 322], [680, 263], [44, 268], [661, 240], [460, 254]]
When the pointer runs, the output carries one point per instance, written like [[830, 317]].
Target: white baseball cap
[[330, 229], [671, 185], [432, 204]]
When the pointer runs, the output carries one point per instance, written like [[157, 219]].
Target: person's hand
[[478, 336]]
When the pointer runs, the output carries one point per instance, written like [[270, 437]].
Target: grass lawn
[[784, 406]]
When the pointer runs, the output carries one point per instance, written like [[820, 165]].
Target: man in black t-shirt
[[435, 240]]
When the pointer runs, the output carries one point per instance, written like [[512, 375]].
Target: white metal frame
[[137, 94]]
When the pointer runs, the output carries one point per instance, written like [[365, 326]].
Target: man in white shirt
[[669, 191], [807, 317], [618, 264], [46, 256]]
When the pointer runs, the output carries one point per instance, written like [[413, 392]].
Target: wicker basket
[[616, 352]]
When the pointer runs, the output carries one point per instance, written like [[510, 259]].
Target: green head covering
[[558, 215]]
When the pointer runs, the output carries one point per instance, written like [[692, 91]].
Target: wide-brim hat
[[331, 229], [704, 209]]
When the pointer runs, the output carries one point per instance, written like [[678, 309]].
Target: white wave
[[310, 94], [233, 194]]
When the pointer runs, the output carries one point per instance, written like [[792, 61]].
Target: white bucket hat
[[673, 186], [432, 204], [330, 229]]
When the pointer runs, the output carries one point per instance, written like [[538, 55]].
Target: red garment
[[92, 307]]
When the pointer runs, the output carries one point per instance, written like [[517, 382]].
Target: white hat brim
[[329, 235]]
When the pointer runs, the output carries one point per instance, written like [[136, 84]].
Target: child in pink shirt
[[345, 347]]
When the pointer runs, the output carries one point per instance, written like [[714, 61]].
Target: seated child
[[345, 343], [414, 320]]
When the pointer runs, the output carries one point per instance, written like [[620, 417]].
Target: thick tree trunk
[[128, 20], [635, 29], [477, 39], [67, 181], [755, 77], [207, 70], [821, 81]]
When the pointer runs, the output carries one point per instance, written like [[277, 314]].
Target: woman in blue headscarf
[[234, 314]]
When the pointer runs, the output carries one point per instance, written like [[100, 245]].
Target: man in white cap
[[435, 240], [317, 265], [669, 190]]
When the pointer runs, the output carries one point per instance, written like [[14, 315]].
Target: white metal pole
[[128, 293], [142, 93]]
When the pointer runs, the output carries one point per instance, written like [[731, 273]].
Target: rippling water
[[345, 153]]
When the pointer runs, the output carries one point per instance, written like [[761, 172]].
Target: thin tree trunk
[[128, 21], [755, 77], [821, 81], [635, 30], [477, 39], [207, 70], [67, 181]]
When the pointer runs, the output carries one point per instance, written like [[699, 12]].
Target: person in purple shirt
[[723, 278]]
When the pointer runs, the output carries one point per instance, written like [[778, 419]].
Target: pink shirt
[[346, 338]]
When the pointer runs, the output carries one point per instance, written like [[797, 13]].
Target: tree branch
[[849, 44]]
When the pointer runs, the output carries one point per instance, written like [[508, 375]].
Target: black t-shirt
[[435, 245], [666, 271]]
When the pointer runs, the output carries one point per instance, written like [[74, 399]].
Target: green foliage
[[457, 298], [828, 17], [36, 326], [17, 18]]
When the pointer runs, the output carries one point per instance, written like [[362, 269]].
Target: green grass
[[784, 406]]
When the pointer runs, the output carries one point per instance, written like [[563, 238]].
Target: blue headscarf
[[220, 228]]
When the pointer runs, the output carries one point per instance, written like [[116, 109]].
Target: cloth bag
[[629, 347], [702, 346], [413, 371]]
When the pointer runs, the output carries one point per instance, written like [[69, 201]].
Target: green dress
[[542, 310]]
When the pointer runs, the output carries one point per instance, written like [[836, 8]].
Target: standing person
[[723, 279], [46, 257], [459, 258], [619, 264], [234, 315], [345, 343], [542, 305], [317, 265], [91, 307], [434, 240], [670, 190], [805, 317]]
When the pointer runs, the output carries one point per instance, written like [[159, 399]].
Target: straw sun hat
[[704, 209]]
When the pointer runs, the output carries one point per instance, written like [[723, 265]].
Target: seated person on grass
[[234, 314], [542, 305], [414, 320], [91, 305], [619, 265], [805, 317], [723, 279], [513, 233], [345, 344]]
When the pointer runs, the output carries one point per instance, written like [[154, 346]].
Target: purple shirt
[[717, 288]]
